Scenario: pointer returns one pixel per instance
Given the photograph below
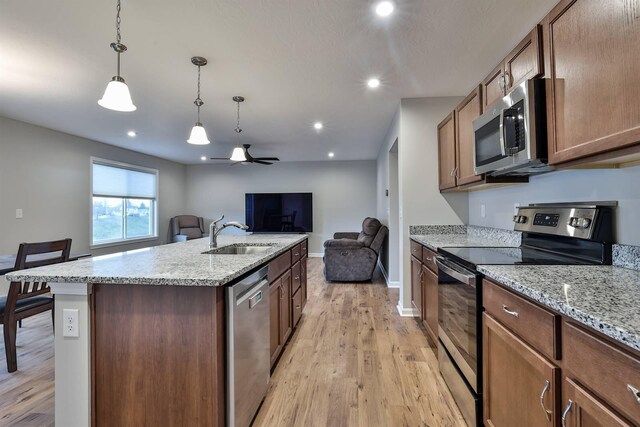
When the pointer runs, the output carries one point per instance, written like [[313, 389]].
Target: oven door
[[459, 310]]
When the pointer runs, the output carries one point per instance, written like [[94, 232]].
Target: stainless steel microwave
[[511, 137]]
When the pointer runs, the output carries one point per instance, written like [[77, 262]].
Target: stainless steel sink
[[239, 250]]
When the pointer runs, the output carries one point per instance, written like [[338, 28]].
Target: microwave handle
[[466, 278], [503, 140]]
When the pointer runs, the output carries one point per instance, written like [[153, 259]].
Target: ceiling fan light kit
[[117, 96], [198, 134]]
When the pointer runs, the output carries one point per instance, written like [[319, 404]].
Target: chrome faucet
[[214, 230]]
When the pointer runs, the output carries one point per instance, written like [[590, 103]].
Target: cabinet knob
[[634, 391], [566, 412]]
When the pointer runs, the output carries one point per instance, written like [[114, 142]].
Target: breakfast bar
[[140, 336]]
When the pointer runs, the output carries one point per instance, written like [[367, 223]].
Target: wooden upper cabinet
[[593, 66], [523, 63], [585, 410], [493, 86], [520, 386], [465, 113], [447, 152]]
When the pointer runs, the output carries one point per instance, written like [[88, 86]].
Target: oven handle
[[464, 277]]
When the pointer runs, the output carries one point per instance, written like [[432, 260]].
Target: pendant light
[[198, 134], [116, 95], [238, 154]]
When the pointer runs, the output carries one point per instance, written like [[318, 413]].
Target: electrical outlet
[[18, 213], [483, 211], [70, 323]]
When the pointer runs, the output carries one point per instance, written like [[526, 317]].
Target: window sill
[[123, 242]]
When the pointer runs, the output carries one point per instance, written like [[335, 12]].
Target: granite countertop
[[435, 237], [605, 298], [178, 264]]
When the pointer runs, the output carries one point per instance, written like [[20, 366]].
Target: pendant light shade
[[238, 155], [198, 135], [117, 97]]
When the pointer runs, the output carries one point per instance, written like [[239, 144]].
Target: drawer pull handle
[[544, 391], [296, 254], [566, 412], [296, 278], [510, 312], [634, 391]]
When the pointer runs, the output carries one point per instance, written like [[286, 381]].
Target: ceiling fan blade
[[270, 159], [261, 162], [218, 158]]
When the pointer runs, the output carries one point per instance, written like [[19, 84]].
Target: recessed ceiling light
[[331, 154], [373, 83], [131, 133], [318, 125], [384, 8], [203, 158]]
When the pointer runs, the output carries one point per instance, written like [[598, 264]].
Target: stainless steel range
[[552, 234]]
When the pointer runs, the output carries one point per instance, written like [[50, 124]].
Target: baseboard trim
[[406, 312], [390, 283], [393, 285], [315, 255]]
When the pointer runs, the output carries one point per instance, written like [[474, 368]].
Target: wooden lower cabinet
[[582, 409], [416, 285], [274, 320], [286, 316], [520, 385], [430, 302]]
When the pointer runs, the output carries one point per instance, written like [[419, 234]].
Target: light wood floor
[[353, 361]]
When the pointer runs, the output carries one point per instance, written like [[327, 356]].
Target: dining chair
[[26, 299]]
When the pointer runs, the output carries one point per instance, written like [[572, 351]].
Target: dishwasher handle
[[254, 294]]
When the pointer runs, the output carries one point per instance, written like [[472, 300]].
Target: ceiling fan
[[249, 158], [241, 155]]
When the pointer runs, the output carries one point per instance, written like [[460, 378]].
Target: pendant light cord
[[118, 48], [238, 130], [198, 100]]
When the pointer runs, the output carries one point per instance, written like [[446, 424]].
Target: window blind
[[110, 180]]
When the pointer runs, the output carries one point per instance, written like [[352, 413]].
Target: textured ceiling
[[295, 61]]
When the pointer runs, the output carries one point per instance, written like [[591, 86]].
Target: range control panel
[[579, 220]]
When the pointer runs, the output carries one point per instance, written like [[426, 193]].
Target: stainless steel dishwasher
[[248, 353]]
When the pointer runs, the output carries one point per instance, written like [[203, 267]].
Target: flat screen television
[[279, 212]]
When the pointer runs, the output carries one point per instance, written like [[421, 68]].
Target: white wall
[[344, 192], [622, 185], [420, 199], [47, 174]]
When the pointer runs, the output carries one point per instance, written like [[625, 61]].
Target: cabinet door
[[582, 409], [430, 315], [592, 62], [286, 315], [525, 61], [303, 278], [520, 385], [416, 285], [274, 319], [493, 86], [447, 152], [468, 110], [296, 307]]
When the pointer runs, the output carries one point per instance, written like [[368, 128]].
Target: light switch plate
[[483, 211], [18, 213], [70, 323]]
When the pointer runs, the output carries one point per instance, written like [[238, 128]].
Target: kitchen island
[[150, 344]]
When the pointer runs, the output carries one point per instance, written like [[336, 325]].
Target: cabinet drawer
[[532, 323], [304, 247], [416, 249], [296, 253], [296, 273], [429, 259], [297, 306], [279, 265], [606, 370]]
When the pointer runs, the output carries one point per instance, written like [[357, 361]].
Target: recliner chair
[[186, 227], [352, 257]]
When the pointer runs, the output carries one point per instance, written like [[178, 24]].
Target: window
[[124, 203]]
